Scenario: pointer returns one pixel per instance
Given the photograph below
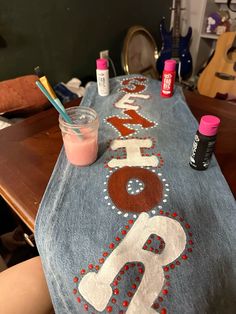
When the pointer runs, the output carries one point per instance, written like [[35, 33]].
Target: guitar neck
[[176, 21]]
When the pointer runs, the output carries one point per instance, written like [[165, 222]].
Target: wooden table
[[29, 150]]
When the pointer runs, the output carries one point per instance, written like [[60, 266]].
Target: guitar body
[[181, 53], [218, 79]]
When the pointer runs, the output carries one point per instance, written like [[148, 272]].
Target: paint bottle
[[204, 142], [102, 77], [168, 78]]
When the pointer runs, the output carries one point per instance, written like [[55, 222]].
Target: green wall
[[64, 37]]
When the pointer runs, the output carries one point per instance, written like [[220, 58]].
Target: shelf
[[209, 36]]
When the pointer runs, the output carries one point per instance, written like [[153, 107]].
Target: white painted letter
[[134, 157], [126, 102], [96, 288]]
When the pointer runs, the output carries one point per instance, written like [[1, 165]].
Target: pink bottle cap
[[170, 65], [102, 64], [208, 125]]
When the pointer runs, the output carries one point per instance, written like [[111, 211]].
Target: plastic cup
[[80, 138]]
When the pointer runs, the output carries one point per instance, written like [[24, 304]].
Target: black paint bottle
[[204, 142]]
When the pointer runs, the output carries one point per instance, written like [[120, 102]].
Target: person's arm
[[23, 289]]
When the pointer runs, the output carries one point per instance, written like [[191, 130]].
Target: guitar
[[218, 79], [175, 46]]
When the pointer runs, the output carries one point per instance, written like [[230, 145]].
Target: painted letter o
[[144, 201]]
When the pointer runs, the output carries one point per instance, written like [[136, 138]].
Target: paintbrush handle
[[55, 105]]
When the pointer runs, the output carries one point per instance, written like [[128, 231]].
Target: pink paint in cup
[[80, 138]]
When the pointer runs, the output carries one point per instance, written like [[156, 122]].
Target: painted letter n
[[135, 118]]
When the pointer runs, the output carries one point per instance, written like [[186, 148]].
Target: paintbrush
[[44, 81]]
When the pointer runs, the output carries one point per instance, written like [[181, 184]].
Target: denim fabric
[[77, 221]]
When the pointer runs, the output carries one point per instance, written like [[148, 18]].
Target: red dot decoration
[[126, 267], [75, 279], [163, 311], [129, 294], [90, 266], [78, 299], [156, 242], [156, 306], [165, 291], [116, 291], [125, 303], [86, 307], [109, 309]]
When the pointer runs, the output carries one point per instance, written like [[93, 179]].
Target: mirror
[[139, 53]]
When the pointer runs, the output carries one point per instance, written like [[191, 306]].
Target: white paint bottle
[[102, 77]]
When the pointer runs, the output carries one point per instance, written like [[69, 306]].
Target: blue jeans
[[139, 231]]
